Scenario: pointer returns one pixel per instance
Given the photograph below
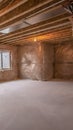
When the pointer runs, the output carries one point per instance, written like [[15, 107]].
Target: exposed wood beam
[[38, 25], [53, 36], [12, 6], [36, 33], [26, 10]]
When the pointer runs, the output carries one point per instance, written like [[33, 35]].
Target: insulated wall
[[48, 61], [64, 60], [36, 61]]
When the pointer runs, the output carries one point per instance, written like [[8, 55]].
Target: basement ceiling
[[23, 20]]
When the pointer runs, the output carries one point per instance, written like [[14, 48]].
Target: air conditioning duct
[[68, 6]]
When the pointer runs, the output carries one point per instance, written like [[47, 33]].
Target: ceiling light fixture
[[35, 39]]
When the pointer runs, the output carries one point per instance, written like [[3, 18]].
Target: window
[[5, 60]]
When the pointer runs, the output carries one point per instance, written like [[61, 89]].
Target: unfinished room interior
[[36, 64]]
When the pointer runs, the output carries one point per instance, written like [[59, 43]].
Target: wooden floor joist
[[43, 18]]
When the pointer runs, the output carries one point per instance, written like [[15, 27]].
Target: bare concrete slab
[[36, 105]]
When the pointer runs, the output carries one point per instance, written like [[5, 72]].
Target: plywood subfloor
[[35, 105]]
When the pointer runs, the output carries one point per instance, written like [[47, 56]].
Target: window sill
[[5, 70]]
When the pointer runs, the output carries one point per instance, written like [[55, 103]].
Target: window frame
[[10, 61]]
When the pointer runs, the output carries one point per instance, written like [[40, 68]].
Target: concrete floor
[[35, 105]]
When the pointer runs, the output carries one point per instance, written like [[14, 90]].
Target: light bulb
[[35, 39]]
